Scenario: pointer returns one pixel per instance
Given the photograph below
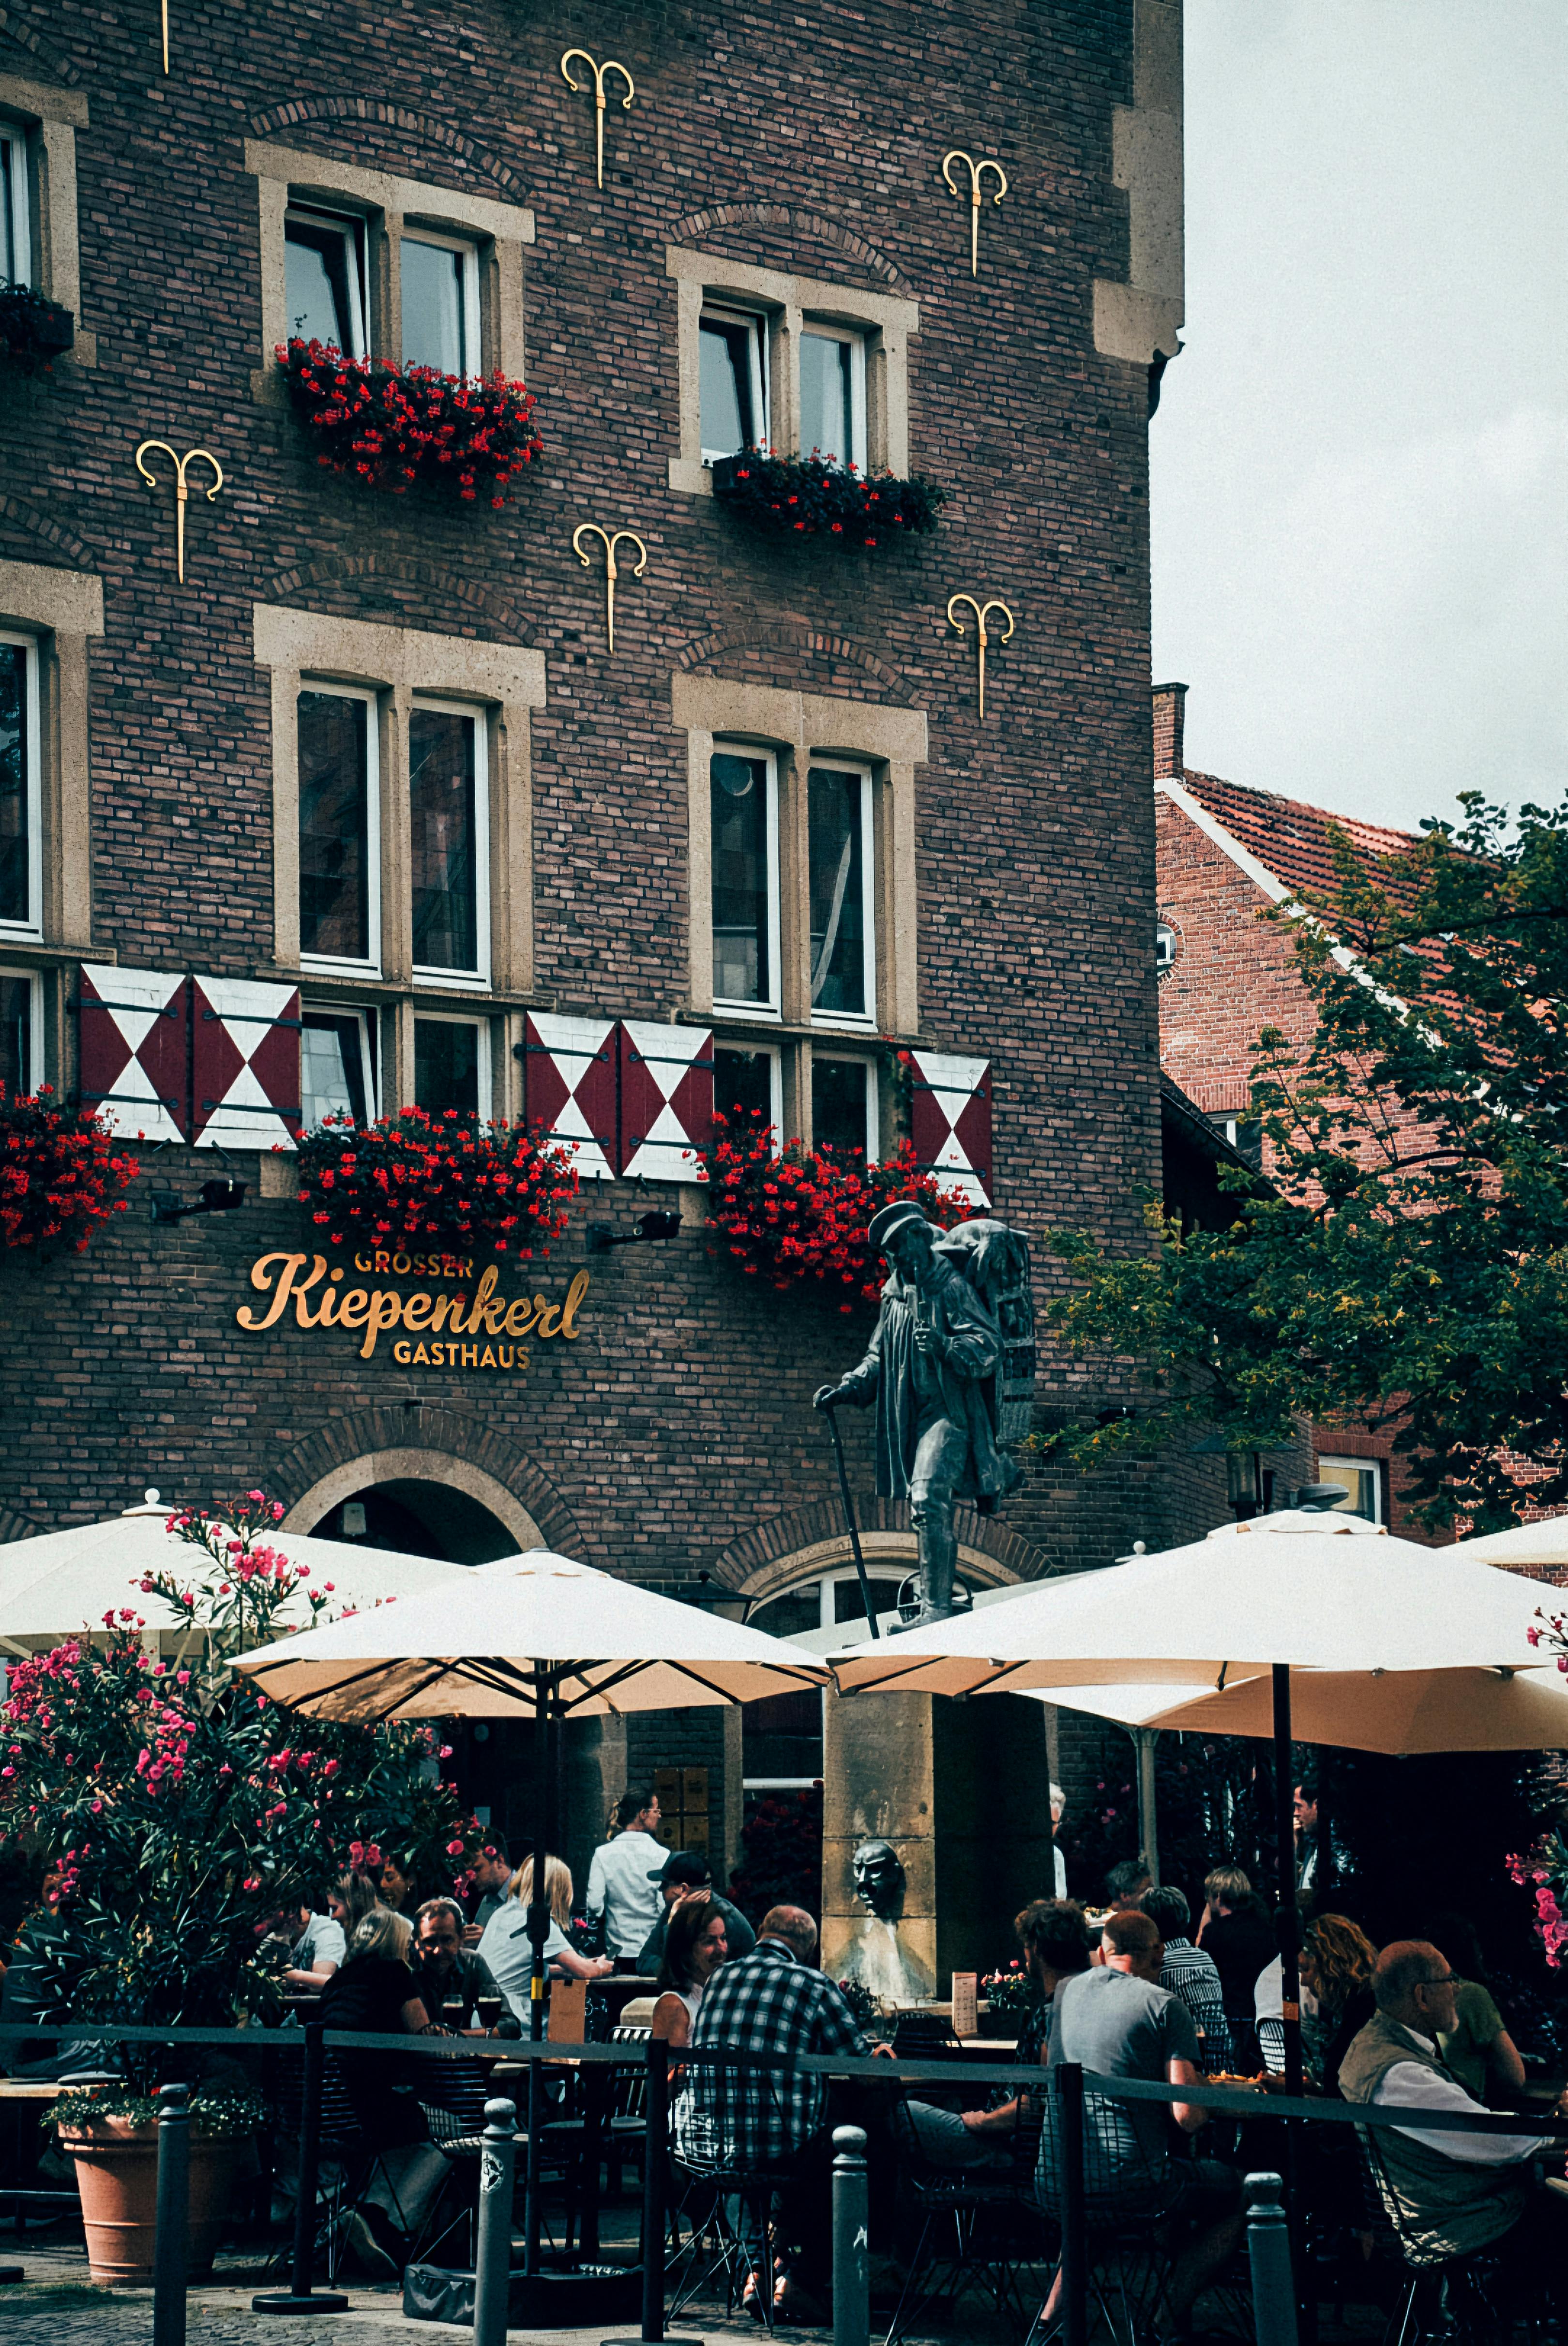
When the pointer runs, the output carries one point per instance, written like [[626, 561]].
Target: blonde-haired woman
[[505, 1946], [375, 1993]]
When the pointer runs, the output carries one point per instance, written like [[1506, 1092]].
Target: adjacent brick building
[[225, 783]]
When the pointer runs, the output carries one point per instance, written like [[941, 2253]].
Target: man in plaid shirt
[[750, 2120]]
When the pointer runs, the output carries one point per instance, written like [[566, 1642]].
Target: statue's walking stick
[[832, 1416]]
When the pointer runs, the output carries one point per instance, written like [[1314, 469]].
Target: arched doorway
[[420, 1503]]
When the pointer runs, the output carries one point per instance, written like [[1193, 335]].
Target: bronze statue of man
[[930, 1368]]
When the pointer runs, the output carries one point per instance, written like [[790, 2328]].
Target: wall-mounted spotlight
[[219, 1196], [602, 1236]]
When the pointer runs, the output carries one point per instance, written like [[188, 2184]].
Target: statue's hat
[[891, 1219]]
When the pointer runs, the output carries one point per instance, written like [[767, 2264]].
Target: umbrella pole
[[1287, 1927], [538, 1927]]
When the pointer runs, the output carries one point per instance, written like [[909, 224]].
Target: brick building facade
[[772, 204]]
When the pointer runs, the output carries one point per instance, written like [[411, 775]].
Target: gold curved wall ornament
[[181, 491], [610, 66], [982, 612], [609, 539], [977, 171]]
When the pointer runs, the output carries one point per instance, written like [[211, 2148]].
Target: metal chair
[[1449, 2301], [989, 2218]]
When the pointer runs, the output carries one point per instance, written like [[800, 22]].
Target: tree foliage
[[1406, 1265]]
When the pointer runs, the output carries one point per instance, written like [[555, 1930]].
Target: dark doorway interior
[[419, 1518]]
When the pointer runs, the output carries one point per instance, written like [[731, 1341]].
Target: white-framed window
[[21, 789], [340, 827], [440, 301], [16, 222], [1165, 947], [452, 1064], [449, 842], [832, 364], [733, 360], [844, 1104], [337, 1064], [748, 1084], [841, 855], [21, 1032], [1363, 1484], [324, 273], [743, 788]]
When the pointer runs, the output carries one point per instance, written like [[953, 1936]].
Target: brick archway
[[808, 1541], [424, 1443]]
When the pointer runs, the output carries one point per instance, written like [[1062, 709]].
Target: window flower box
[[392, 426], [32, 331], [416, 1182], [798, 497], [60, 1176]]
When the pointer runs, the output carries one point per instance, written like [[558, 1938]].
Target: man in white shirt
[[492, 1880], [1059, 1867], [620, 1889], [1456, 2193]]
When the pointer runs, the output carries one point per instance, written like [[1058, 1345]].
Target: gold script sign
[[320, 1300]]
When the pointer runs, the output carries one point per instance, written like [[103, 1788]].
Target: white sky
[[1360, 458]]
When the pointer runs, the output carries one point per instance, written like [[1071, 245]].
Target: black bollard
[[1066, 2081], [493, 2254], [170, 2248], [301, 2297], [852, 2238], [1268, 2251]]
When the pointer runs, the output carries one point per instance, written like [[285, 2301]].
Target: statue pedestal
[[962, 1790]]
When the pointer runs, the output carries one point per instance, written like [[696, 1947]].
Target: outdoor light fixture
[[219, 1196], [1319, 1498], [602, 1236]]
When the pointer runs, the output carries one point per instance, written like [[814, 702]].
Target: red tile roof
[[1290, 838]]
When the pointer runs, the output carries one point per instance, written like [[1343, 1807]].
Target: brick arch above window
[[15, 25], [805, 642], [74, 554], [424, 1443], [798, 224], [807, 1541], [443, 591], [299, 111]]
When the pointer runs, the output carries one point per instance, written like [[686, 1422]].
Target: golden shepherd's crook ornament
[[610, 539], [610, 66], [976, 174], [981, 611], [163, 12], [181, 492]]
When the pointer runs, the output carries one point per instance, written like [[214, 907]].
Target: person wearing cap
[[930, 1369], [684, 1874]]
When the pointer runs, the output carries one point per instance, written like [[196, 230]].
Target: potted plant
[[413, 1180], [799, 497], [390, 426], [111, 2133], [60, 1175], [32, 331]]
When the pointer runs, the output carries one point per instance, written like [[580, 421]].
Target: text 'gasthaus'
[[320, 1300]]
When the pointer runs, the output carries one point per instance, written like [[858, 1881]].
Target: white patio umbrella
[[54, 1585], [1523, 1547], [534, 1635], [1298, 1590]]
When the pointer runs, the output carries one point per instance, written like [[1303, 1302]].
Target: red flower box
[[413, 1180], [390, 426], [59, 1175]]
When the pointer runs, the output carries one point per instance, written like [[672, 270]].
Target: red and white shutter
[[951, 1121], [667, 1101], [133, 1045], [245, 1064], [569, 1088]]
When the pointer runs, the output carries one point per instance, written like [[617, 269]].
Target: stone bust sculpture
[[879, 1878]]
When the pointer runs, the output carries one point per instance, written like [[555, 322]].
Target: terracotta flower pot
[[117, 2175]]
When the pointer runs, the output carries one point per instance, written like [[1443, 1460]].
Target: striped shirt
[[1189, 1972]]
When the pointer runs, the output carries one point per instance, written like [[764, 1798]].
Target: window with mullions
[[323, 264], [450, 1066], [733, 385], [839, 828], [439, 303], [16, 231], [746, 1088], [337, 1072], [21, 873], [19, 1016], [339, 833], [832, 365], [448, 806], [843, 1106], [1361, 1481], [744, 848]]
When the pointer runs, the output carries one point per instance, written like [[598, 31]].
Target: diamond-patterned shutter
[[667, 1101], [245, 1064], [951, 1121], [569, 1088], [133, 1049]]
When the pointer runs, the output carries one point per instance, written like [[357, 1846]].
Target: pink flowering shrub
[[182, 1807]]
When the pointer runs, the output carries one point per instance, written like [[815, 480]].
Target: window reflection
[[836, 824], [443, 846], [742, 878], [335, 816], [446, 1065], [432, 307]]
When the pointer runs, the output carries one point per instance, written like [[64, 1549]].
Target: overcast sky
[[1360, 523]]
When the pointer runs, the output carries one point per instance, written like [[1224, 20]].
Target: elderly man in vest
[[1456, 2192]]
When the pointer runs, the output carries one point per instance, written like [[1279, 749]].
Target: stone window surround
[[51, 119], [786, 302], [798, 727], [504, 681], [388, 205]]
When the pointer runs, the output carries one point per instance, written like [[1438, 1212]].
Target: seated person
[[375, 1991], [1336, 2000], [1189, 1972], [685, 1875], [449, 1973], [315, 1944], [695, 1945], [507, 1951], [1116, 2020], [1236, 1935], [1055, 1937], [1126, 1883], [1478, 2048], [1455, 2193]]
